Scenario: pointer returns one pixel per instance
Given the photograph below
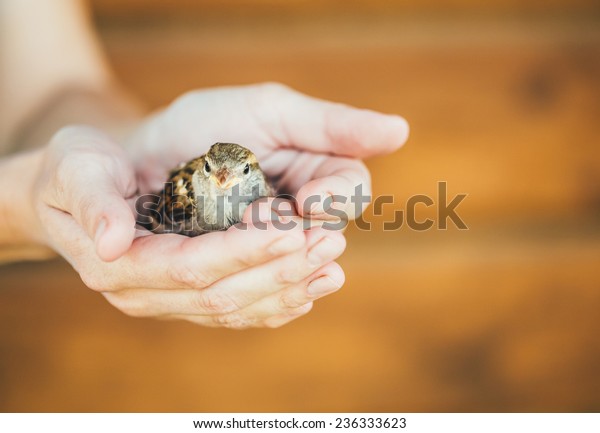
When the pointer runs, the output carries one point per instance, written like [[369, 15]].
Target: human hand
[[245, 276], [87, 184], [311, 148]]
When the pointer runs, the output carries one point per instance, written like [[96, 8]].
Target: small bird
[[209, 193]]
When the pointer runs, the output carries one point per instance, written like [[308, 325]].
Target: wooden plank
[[502, 317], [507, 114], [144, 9], [486, 323]]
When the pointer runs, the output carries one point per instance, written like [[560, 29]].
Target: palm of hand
[[194, 122], [293, 136]]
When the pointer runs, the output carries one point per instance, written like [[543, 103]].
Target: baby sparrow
[[209, 193]]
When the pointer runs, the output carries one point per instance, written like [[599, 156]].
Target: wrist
[[21, 234]]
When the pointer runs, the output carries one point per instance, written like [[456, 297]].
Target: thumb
[[94, 179], [111, 223]]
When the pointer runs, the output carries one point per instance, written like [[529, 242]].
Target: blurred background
[[503, 98]]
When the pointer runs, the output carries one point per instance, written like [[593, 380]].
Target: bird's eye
[[206, 167], [246, 169]]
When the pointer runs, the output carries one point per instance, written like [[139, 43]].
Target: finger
[[176, 262], [181, 304], [170, 261], [233, 293], [113, 222], [311, 124], [280, 211], [272, 322], [329, 279], [340, 189], [93, 178], [325, 281], [245, 288], [290, 315], [71, 240], [242, 246]]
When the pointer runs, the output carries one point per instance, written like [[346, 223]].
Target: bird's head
[[229, 164]]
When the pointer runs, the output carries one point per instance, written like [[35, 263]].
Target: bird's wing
[[175, 204], [178, 194]]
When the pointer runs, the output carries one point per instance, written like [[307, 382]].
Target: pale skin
[[76, 191]]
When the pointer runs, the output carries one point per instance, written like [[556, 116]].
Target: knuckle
[[49, 193], [80, 252], [75, 133], [300, 311], [189, 276], [239, 259], [285, 318], [74, 137], [66, 167], [214, 303], [184, 102], [266, 93], [75, 170], [234, 321], [287, 301], [64, 135], [86, 207], [289, 275]]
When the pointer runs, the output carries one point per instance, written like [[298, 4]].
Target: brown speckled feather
[[181, 197]]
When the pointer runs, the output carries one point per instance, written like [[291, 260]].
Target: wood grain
[[182, 9], [506, 113], [502, 317], [433, 325]]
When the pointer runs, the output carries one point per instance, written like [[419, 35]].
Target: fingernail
[[321, 286], [100, 229], [326, 249], [287, 244]]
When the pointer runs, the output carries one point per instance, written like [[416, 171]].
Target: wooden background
[[503, 98]]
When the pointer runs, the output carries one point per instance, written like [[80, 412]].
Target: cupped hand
[[311, 148], [249, 275]]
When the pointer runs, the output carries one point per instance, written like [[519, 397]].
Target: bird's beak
[[224, 180]]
